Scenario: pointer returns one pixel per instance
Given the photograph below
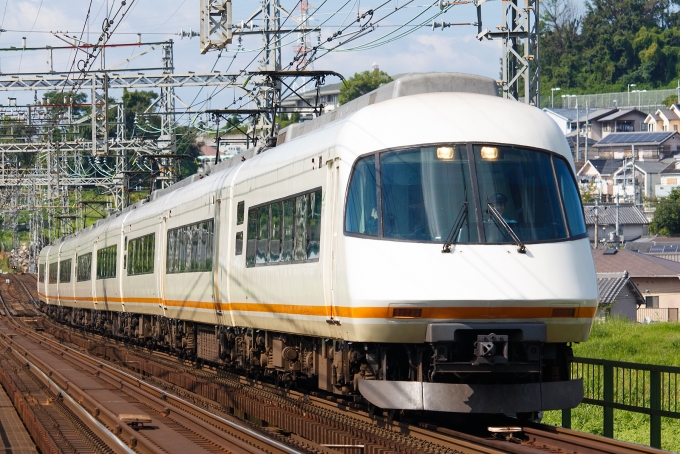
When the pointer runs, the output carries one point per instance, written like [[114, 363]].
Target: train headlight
[[489, 153], [445, 153]]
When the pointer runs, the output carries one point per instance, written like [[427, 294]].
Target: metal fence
[[666, 314], [647, 101], [639, 388]]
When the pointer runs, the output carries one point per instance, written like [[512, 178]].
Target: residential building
[[623, 120], [597, 175], [647, 175], [567, 120], [632, 221], [669, 179], [328, 96], [618, 296], [664, 119], [653, 146], [657, 279]]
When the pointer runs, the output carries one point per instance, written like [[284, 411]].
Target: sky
[[420, 50]]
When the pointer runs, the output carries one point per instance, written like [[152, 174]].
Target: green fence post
[[655, 404], [566, 418], [608, 400]]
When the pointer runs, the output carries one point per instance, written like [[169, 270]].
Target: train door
[[329, 239], [218, 241], [162, 257]]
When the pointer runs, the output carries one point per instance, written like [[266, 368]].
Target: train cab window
[[84, 267], [240, 208], [41, 273], [314, 220], [570, 197], [301, 213], [65, 271], [251, 245], [275, 234], [190, 248], [239, 243], [141, 252], [106, 262], [54, 269], [362, 204]]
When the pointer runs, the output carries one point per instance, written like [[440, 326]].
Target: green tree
[[667, 215], [136, 102], [361, 83]]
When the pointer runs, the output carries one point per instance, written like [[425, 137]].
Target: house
[[647, 145], [664, 119], [657, 279], [328, 96], [618, 296], [647, 175], [623, 120], [632, 221], [565, 118], [599, 173], [568, 119], [669, 179]]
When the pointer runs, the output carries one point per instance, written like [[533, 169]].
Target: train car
[[423, 246]]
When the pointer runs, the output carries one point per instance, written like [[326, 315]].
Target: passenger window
[[65, 271], [53, 273], [314, 238], [301, 213], [84, 267], [288, 229], [239, 213], [361, 215], [141, 251], [41, 273], [262, 235], [251, 246], [570, 197], [189, 248], [239, 243], [275, 240]]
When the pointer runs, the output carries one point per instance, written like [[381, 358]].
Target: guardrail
[[639, 388]]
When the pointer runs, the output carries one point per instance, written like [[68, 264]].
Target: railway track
[[330, 423], [110, 410]]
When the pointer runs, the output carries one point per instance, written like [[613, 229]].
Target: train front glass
[[420, 194]]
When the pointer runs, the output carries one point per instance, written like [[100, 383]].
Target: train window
[[251, 246], [262, 235], [65, 271], [53, 273], [362, 205], [240, 208], [106, 262], [41, 273], [275, 234], [570, 197], [314, 219], [84, 267], [141, 252], [521, 185], [239, 243], [190, 248], [301, 214], [288, 229]]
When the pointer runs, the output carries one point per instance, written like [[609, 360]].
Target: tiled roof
[[669, 114], [609, 285], [637, 265], [606, 166], [671, 168], [628, 214], [651, 166], [621, 113], [571, 114]]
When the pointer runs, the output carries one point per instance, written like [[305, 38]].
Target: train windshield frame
[[423, 193]]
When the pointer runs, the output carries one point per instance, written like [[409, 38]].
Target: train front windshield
[[424, 194]]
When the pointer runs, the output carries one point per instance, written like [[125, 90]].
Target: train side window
[[240, 209], [141, 255], [275, 237], [84, 267], [288, 230], [65, 271], [189, 248], [314, 228], [53, 273], [251, 246], [301, 213], [41, 273], [106, 262], [570, 197], [262, 236], [361, 215], [239, 243]]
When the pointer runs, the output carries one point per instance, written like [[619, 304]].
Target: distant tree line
[[610, 44]]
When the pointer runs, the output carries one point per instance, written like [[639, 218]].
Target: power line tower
[[519, 34]]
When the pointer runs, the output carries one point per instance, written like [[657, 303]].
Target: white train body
[[348, 288]]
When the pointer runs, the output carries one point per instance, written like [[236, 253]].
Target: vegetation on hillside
[[610, 44]]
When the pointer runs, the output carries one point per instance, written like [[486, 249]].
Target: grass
[[619, 340]]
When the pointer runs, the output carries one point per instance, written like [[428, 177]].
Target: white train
[[423, 245]]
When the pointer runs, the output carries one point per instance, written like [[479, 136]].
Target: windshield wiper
[[452, 238], [521, 248]]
